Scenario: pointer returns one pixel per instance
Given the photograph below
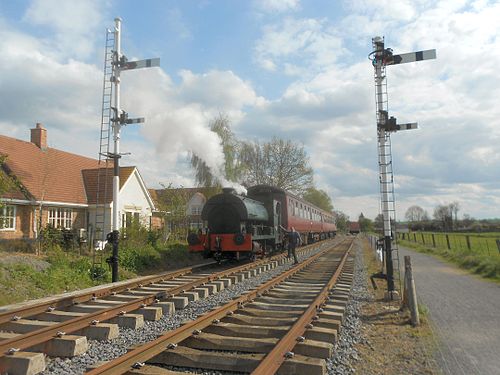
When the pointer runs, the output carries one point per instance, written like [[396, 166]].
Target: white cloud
[[277, 6], [75, 23], [178, 25], [310, 44]]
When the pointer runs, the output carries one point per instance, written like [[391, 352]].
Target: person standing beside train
[[294, 240]]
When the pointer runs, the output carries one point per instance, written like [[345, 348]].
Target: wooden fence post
[[433, 240], [467, 238], [448, 241], [411, 293], [415, 237], [423, 239]]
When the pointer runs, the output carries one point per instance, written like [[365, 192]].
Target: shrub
[[138, 258]]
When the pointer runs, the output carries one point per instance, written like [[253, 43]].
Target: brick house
[[50, 186]]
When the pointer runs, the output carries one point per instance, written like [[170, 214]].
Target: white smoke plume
[[177, 123]]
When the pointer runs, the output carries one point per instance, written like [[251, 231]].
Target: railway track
[[60, 327], [288, 325]]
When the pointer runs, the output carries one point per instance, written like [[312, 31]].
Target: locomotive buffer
[[382, 57], [120, 118]]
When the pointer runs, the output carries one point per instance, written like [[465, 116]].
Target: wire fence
[[487, 243]]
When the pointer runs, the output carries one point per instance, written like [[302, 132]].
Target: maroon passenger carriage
[[239, 225]]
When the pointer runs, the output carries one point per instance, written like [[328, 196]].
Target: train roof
[[258, 189]]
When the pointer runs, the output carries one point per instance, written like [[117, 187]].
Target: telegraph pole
[[120, 119], [381, 57]]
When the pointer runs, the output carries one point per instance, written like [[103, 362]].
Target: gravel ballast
[[345, 353]]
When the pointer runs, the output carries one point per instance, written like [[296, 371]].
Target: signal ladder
[[388, 202], [104, 170]]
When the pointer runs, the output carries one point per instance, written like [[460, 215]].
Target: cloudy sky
[[296, 69]]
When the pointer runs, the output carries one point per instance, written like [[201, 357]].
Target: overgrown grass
[[66, 271], [481, 264], [19, 282]]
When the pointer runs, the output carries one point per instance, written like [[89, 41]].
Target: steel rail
[[27, 340], [275, 358], [67, 301], [147, 351]]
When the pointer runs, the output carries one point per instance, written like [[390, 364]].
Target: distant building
[[50, 186]]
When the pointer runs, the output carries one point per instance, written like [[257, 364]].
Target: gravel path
[[465, 314]]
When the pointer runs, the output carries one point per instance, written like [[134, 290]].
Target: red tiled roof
[[90, 177], [50, 175], [12, 189]]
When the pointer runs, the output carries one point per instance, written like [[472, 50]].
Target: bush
[[138, 258]]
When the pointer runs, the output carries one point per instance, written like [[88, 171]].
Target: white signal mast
[[381, 57], [120, 118]]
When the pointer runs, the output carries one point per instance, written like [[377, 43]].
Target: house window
[[195, 225], [61, 217], [8, 218]]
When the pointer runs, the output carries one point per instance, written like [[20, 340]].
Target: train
[[237, 226]]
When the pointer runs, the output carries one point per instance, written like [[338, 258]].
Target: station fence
[[488, 244]]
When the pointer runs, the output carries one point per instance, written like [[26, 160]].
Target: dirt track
[[465, 314]]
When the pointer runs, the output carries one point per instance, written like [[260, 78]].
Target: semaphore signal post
[[117, 118], [382, 57]]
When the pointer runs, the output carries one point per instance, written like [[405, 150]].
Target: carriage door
[[277, 221]]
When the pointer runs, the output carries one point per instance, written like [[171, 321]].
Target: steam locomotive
[[246, 226]]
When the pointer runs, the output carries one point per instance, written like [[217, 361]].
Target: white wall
[[133, 198]]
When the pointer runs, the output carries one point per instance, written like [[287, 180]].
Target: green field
[[475, 252], [481, 243]]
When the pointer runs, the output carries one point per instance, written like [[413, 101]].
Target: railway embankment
[[26, 276]]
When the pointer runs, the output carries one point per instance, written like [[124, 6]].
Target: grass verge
[[389, 344], [487, 266]]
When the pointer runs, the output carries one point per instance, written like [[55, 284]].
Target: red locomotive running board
[[226, 243]]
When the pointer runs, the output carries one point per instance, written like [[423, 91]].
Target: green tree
[[341, 220], [319, 198], [379, 223], [365, 224]]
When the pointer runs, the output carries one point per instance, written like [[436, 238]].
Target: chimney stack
[[39, 136]]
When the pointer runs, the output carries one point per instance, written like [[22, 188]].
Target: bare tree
[[416, 213], [280, 163], [443, 214], [454, 208]]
